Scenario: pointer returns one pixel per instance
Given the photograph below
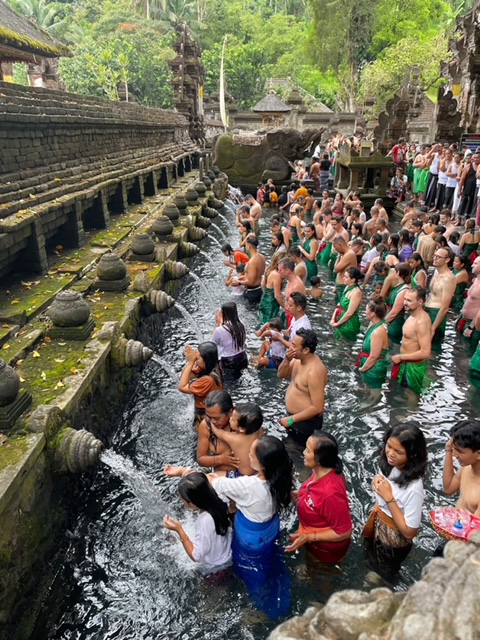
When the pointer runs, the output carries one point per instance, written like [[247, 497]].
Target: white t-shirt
[[301, 323], [368, 257], [209, 549], [225, 343], [239, 289], [277, 349], [409, 499], [251, 495]]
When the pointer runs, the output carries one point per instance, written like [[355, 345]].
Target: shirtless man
[[370, 227], [446, 221], [346, 258], [254, 271], [314, 173], [471, 306], [286, 268], [212, 452], [300, 267], [255, 209], [411, 363], [245, 427], [442, 288], [464, 445], [410, 214], [305, 398], [382, 212]]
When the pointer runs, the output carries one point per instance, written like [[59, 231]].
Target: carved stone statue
[[248, 159]]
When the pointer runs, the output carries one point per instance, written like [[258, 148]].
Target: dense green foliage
[[339, 52]]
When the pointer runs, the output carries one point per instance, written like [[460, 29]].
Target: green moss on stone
[[12, 451]]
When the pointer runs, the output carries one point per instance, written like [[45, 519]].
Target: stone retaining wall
[[68, 162]]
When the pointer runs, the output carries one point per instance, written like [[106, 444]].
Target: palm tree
[[44, 14]]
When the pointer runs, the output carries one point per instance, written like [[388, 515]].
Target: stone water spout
[[187, 249], [214, 202], [130, 353], [77, 451], [175, 270], [13, 402], [209, 212], [160, 300], [195, 234], [203, 222]]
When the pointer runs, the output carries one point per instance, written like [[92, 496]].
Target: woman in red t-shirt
[[323, 509], [201, 375]]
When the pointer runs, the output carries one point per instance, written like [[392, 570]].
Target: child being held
[[232, 279], [246, 424], [272, 352]]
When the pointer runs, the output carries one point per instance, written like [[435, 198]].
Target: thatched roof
[[271, 104], [22, 41]]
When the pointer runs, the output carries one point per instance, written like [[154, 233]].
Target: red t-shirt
[[324, 503]]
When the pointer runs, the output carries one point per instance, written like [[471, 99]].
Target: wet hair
[[327, 212], [227, 248], [434, 218], [358, 227], [394, 242], [240, 267], [442, 242], [380, 267], [404, 270], [325, 449], [315, 281], [221, 399], [417, 223], [377, 306], [279, 236], [382, 248], [355, 274], [339, 240], [311, 226], [294, 251], [446, 212], [252, 241], [466, 434], [233, 325], [300, 299], [418, 258], [309, 339], [420, 293], [469, 224], [454, 237], [413, 441], [209, 352], [375, 240], [404, 236], [249, 416], [196, 489], [465, 262], [440, 229], [276, 323], [288, 263], [277, 469], [246, 224]]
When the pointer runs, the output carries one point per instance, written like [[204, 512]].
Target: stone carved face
[[292, 143]]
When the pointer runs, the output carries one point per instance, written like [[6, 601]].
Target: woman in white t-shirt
[[396, 518], [211, 543], [230, 337]]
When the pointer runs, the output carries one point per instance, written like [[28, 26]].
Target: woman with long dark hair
[[201, 375], [257, 556], [323, 510], [372, 360], [345, 319], [230, 336], [394, 289], [419, 273], [396, 518], [309, 250], [211, 544]]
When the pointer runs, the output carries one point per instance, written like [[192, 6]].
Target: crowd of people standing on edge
[[409, 282]]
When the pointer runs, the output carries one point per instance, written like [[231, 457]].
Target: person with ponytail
[[230, 336], [211, 543], [257, 555], [201, 375], [323, 508]]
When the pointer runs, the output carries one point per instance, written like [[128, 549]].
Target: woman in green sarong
[[470, 240], [309, 250], [346, 318], [269, 304], [419, 273], [462, 279], [474, 367], [395, 318], [372, 360]]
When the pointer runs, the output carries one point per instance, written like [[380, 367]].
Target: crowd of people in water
[[408, 281]]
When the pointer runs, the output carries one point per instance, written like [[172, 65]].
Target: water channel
[[121, 575]]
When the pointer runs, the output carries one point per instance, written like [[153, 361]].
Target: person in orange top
[[301, 192], [201, 375]]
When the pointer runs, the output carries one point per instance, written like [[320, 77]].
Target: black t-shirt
[[282, 199], [325, 165]]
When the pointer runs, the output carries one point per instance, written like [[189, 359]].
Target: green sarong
[[351, 328], [440, 332], [395, 327], [459, 295], [474, 368], [376, 376], [412, 375], [324, 256], [340, 288], [269, 307], [312, 267]]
